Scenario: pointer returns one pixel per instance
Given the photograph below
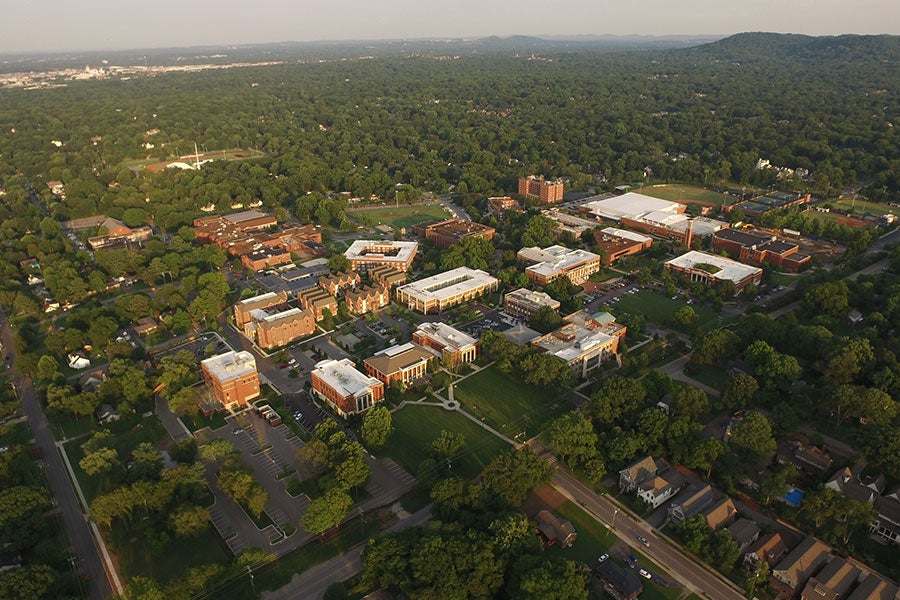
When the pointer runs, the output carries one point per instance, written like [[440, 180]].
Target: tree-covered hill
[[756, 46]]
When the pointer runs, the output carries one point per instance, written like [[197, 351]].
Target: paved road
[[675, 370], [689, 573], [82, 544], [312, 583]]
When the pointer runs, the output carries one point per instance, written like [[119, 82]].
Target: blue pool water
[[794, 497]]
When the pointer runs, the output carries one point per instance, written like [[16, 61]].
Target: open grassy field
[[658, 308], [180, 554], [862, 207], [839, 218], [415, 427], [505, 403], [400, 216], [685, 193]]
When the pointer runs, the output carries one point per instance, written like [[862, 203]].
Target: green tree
[[552, 580], [714, 346], [829, 298], [513, 474], [776, 483], [572, 436], [190, 520], [684, 316], [448, 443], [27, 583], [754, 434], [377, 427], [617, 397], [326, 511], [545, 319], [739, 391], [99, 461]]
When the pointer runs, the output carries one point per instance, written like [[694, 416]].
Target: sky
[[61, 25]]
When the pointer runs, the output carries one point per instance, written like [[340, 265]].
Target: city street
[[76, 523]]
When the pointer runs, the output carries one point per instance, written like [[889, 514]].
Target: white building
[[441, 291], [711, 269], [556, 261], [365, 254]]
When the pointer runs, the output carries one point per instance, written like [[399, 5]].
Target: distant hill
[[756, 46]]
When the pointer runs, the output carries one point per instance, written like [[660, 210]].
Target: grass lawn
[[179, 555], [603, 275], [505, 403], [198, 421], [67, 427], [658, 308], [861, 207], [148, 430], [776, 278], [684, 193], [402, 216], [593, 538], [711, 376], [415, 427]]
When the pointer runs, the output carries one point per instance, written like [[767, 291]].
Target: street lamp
[[252, 586]]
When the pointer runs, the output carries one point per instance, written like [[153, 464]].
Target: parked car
[[644, 541], [603, 558], [643, 573]]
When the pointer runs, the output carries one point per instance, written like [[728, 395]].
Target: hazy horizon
[[99, 25]]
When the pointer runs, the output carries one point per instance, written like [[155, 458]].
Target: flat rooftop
[[729, 270], [571, 341], [247, 215], [554, 258], [343, 377], [630, 205], [448, 284], [626, 235], [445, 335], [532, 297], [230, 365], [381, 250]]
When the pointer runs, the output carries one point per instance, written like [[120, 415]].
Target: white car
[[643, 573]]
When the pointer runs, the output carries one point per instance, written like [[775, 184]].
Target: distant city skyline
[[58, 25]]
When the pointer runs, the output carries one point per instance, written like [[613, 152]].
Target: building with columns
[[348, 391], [452, 346]]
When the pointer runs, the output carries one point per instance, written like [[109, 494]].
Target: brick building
[[366, 254], [348, 391], [317, 300], [523, 303], [445, 233], [452, 346], [389, 277], [619, 243], [339, 283], [282, 328], [760, 248], [553, 262], [368, 298], [444, 290], [540, 189], [243, 310], [404, 363], [711, 269], [232, 377]]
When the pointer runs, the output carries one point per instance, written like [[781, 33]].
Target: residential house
[[619, 582], [832, 582], [807, 458], [106, 414], [792, 572], [887, 522], [744, 532], [874, 587], [554, 530], [690, 502], [632, 476], [853, 483], [656, 490], [145, 326], [769, 549], [720, 514]]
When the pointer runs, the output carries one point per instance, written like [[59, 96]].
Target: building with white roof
[[554, 262], [452, 346], [711, 269], [244, 309], [584, 348], [232, 377], [365, 254], [441, 291], [523, 303], [348, 391], [631, 206]]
